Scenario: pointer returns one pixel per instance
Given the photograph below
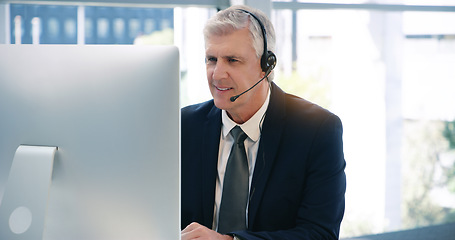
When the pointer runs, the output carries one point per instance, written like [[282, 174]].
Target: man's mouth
[[222, 89]]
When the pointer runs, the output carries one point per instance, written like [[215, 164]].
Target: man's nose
[[220, 71]]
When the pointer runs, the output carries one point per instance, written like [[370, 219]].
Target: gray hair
[[231, 19]]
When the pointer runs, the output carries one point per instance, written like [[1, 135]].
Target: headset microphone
[[233, 98]]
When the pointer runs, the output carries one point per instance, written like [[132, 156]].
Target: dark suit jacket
[[298, 185]]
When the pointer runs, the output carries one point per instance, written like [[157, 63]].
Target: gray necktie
[[235, 187]]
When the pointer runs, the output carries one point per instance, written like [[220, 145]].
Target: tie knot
[[238, 134]]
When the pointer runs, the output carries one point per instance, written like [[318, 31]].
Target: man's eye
[[233, 60], [210, 59]]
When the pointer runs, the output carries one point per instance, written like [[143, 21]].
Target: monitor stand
[[23, 208]]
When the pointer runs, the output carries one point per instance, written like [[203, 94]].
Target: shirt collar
[[250, 127]]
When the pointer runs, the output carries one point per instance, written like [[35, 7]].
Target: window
[[101, 25], [389, 76]]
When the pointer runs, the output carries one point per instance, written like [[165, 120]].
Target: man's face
[[233, 67]]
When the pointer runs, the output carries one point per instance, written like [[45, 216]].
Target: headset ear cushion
[[271, 60]]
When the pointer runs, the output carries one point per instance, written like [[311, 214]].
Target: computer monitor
[[113, 112]]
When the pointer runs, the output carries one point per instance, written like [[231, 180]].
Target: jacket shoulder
[[197, 110], [303, 109], [197, 115]]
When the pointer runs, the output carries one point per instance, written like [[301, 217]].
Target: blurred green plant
[[449, 133], [163, 37], [424, 172], [312, 88]]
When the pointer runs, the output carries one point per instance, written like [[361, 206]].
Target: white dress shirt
[[252, 128]]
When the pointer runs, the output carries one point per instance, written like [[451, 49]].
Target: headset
[[268, 58]]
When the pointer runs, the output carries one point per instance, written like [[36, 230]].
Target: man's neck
[[257, 116], [248, 113]]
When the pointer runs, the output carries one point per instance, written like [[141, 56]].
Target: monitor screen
[[113, 113]]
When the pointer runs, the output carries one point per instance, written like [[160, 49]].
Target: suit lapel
[[268, 147], [210, 148]]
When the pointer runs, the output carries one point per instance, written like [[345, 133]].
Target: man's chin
[[223, 104]]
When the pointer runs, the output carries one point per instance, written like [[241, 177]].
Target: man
[[293, 148]]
